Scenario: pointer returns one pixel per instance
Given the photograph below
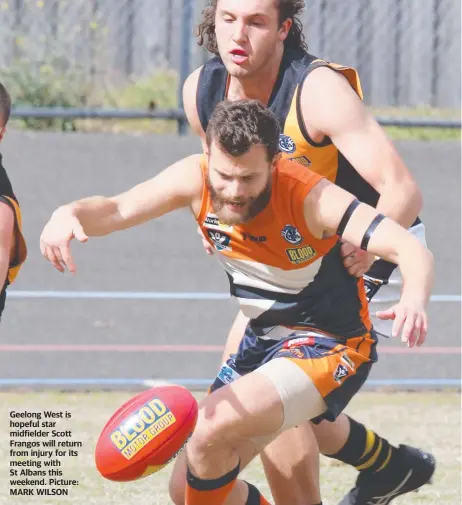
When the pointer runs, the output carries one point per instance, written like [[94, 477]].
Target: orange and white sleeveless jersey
[[284, 278]]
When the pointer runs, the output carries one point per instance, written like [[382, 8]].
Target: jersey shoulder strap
[[211, 89]]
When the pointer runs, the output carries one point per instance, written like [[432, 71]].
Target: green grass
[[429, 420]]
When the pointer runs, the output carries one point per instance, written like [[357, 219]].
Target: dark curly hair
[[288, 9]]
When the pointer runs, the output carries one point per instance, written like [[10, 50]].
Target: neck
[[259, 87]]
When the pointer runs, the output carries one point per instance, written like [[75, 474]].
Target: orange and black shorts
[[338, 367]]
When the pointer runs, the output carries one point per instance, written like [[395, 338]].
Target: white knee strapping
[[300, 398]]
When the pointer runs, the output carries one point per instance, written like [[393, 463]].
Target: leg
[[230, 419], [292, 454], [385, 471], [291, 462]]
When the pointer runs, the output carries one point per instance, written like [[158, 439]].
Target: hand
[[56, 236], [208, 248], [355, 260], [410, 319]]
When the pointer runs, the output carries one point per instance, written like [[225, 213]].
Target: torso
[[282, 275]]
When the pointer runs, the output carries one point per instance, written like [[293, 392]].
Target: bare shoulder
[[327, 100], [189, 101]]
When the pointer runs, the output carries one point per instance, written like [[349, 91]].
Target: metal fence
[[407, 51]]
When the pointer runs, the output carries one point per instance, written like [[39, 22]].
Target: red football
[[146, 433]]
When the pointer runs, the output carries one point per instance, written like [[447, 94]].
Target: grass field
[[431, 420]]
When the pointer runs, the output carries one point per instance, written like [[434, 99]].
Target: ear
[[285, 29]]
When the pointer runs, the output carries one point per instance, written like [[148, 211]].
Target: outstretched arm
[[180, 185], [325, 207]]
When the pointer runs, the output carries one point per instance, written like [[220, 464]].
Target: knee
[[211, 434]]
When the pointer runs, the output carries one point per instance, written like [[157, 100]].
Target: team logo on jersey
[[220, 240], [286, 144], [212, 221], [340, 373], [299, 255], [291, 234], [302, 160]]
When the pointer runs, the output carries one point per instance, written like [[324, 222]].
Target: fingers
[[385, 314], [411, 323], [52, 258], [67, 257], [400, 317], [408, 334]]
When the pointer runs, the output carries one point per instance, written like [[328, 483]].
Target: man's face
[[240, 187], [248, 33]]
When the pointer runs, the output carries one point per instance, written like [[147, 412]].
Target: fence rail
[[99, 53]]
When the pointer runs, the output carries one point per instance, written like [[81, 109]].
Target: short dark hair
[[288, 9], [5, 106], [237, 126]]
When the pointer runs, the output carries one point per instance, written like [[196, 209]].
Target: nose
[[240, 32], [236, 189]]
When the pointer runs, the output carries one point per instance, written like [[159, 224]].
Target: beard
[[255, 205]]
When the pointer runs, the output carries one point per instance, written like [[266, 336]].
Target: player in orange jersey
[[309, 343], [260, 53]]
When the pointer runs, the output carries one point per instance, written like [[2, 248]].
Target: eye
[[257, 22], [248, 178], [228, 19]]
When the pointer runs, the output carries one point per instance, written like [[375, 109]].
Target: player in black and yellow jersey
[[12, 245], [261, 54]]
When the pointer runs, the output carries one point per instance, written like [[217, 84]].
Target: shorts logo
[[291, 234], [302, 160], [299, 255], [220, 240], [298, 353], [348, 361], [151, 419], [286, 144], [297, 342], [227, 375], [340, 373], [212, 221]]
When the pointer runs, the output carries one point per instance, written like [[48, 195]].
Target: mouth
[[239, 56], [235, 206]]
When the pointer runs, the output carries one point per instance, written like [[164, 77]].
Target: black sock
[[365, 450], [255, 497]]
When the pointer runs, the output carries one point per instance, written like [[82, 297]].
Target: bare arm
[[180, 185], [6, 239], [332, 108], [325, 206]]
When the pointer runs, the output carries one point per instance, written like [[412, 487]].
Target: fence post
[[186, 31]]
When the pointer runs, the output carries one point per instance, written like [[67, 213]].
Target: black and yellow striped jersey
[[8, 197]]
